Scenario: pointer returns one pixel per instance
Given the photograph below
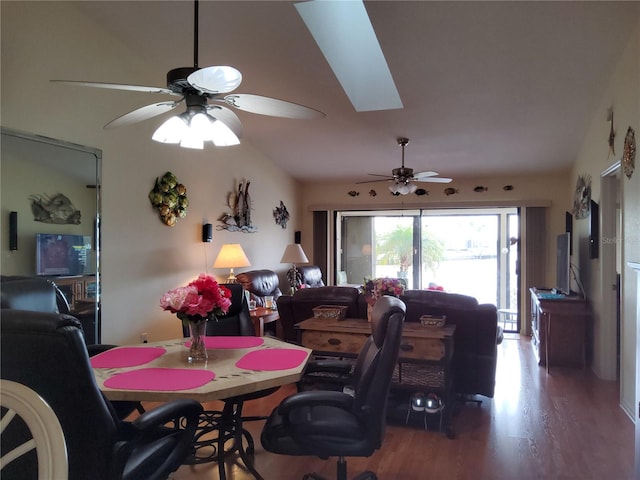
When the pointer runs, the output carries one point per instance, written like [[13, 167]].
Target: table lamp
[[294, 254], [231, 256]]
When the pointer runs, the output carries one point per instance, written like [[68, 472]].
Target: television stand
[[558, 326]]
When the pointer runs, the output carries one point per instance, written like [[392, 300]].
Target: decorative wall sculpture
[[238, 219], [170, 198], [281, 215], [56, 209]]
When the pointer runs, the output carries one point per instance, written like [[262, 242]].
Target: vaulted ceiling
[[487, 87]]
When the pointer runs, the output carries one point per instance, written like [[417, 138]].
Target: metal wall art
[[56, 209], [238, 219], [582, 197], [281, 215], [170, 198], [629, 153]]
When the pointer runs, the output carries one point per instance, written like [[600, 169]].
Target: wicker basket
[[335, 312], [433, 321]]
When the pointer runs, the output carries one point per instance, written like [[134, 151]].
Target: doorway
[[606, 335]]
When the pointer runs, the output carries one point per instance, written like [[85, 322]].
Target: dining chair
[[46, 352], [347, 423], [229, 422], [33, 443]]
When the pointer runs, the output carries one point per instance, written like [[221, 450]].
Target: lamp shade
[[294, 254], [231, 255]]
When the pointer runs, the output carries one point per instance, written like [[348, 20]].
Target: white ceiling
[[487, 87]]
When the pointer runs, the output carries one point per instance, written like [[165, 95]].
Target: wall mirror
[[51, 218]]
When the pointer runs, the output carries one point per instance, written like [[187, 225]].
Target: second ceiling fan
[[202, 120], [403, 178]]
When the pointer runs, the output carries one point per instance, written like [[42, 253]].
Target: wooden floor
[[562, 425]]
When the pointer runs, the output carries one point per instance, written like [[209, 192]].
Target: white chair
[[46, 433]]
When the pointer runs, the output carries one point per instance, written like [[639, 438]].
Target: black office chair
[[343, 424], [46, 352], [229, 423]]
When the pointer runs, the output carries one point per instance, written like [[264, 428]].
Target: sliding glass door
[[468, 251]]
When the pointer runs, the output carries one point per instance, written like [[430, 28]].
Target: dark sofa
[[476, 338]]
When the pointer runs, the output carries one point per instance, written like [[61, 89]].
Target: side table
[[262, 316]]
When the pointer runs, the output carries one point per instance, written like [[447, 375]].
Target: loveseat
[[476, 337]]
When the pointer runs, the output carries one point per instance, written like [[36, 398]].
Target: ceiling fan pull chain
[[195, 34]]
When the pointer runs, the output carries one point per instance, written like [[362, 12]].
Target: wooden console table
[[559, 328]]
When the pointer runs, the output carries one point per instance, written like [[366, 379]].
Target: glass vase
[[198, 348]]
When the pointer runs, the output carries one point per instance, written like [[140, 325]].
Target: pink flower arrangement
[[199, 300], [377, 287]]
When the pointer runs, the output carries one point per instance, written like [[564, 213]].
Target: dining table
[[236, 366]]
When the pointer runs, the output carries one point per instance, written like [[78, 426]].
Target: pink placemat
[[231, 342], [126, 357], [161, 379], [272, 359]]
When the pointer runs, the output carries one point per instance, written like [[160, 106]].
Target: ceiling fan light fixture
[[192, 128], [171, 131], [398, 188], [222, 135]]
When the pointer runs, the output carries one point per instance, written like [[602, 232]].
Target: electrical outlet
[[144, 337]]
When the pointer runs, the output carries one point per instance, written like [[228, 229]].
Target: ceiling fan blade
[[420, 175], [119, 86], [433, 180], [388, 179], [216, 79], [227, 117], [271, 106], [142, 113]]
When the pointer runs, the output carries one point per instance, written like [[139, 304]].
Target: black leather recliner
[[46, 352], [39, 294], [309, 276], [343, 423], [260, 283]]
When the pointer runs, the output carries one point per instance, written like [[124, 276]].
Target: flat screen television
[[60, 254], [563, 264]]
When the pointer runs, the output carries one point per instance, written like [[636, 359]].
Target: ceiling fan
[[403, 178], [202, 120]]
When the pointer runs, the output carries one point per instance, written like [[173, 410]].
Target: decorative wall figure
[[170, 198], [450, 191], [56, 209], [238, 219], [353, 193], [281, 215], [612, 134], [582, 197], [629, 153]]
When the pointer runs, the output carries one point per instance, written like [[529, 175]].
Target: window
[[468, 251]]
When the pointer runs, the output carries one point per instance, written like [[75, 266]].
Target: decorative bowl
[[335, 312], [433, 321]]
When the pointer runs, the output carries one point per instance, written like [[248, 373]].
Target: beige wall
[[141, 257], [544, 190], [622, 94]]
